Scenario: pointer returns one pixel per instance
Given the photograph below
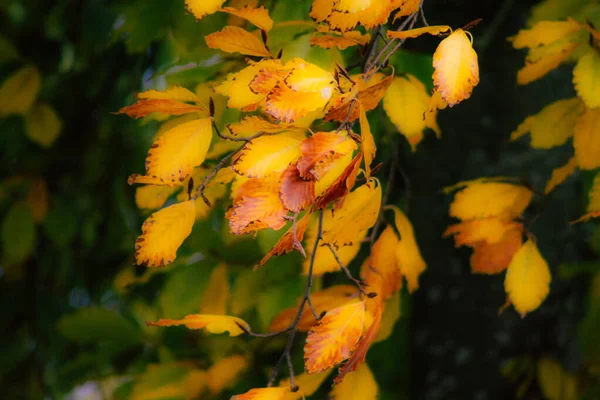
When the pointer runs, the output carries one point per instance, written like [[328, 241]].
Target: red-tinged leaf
[[286, 105], [360, 353], [334, 337], [163, 106], [270, 393], [256, 16], [290, 240], [493, 258], [342, 185], [296, 193], [324, 300], [320, 151], [233, 39], [176, 93], [380, 271], [212, 323], [413, 33], [369, 97], [257, 206], [266, 79], [162, 234]]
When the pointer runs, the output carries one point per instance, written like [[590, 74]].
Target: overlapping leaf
[[268, 154], [212, 323], [233, 39]]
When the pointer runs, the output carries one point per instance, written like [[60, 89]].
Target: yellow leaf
[[257, 16], [268, 154], [357, 385], [594, 203], [233, 39], [284, 104], [358, 213], [308, 384], [368, 143], [490, 199], [544, 59], [252, 125], [214, 190], [176, 153], [325, 260], [408, 256], [321, 9], [334, 337], [456, 68], [489, 230], [586, 77], [560, 174], [406, 102], [176, 93], [586, 141], [237, 88], [369, 95], [341, 40], [545, 32], [320, 151], [173, 122], [555, 382], [201, 8], [380, 271], [272, 393], [151, 180], [19, 91], [407, 7], [413, 33], [152, 197], [333, 172], [42, 125], [391, 314], [224, 373], [552, 126], [307, 77], [144, 107], [216, 296], [162, 234], [527, 279], [212, 323]]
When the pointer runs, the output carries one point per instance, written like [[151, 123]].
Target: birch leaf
[[357, 385], [201, 8], [256, 16], [233, 39], [586, 140], [212, 323], [586, 77]]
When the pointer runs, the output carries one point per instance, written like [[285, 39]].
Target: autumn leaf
[[144, 107], [216, 296], [268, 154], [341, 186], [527, 279], [552, 126], [201, 8], [233, 39], [407, 7], [176, 153], [357, 385], [544, 32], [560, 174], [369, 95], [593, 208], [490, 230], [224, 373], [257, 206], [413, 33], [212, 323], [325, 260], [544, 59], [307, 77], [42, 124], [151, 197], [482, 199], [256, 16], [323, 300], [586, 78], [368, 143], [290, 240], [253, 124], [585, 141], [308, 384], [296, 193], [320, 150], [162, 234], [237, 88], [408, 255], [151, 180], [287, 105], [267, 78], [456, 68], [176, 93], [406, 102], [380, 271], [271, 393], [321, 9], [391, 313], [493, 258], [334, 337], [341, 40], [19, 92]]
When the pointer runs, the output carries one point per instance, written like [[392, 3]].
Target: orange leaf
[[266, 79], [321, 9], [456, 68], [362, 347], [296, 193], [164, 106], [233, 39], [201, 8], [324, 300], [493, 258], [369, 97], [288, 242], [368, 143], [287, 105], [271, 393], [257, 16], [162, 234], [212, 323], [320, 150], [380, 271], [334, 337], [257, 206], [176, 93], [408, 255], [490, 230], [407, 7], [413, 33], [342, 185], [329, 39]]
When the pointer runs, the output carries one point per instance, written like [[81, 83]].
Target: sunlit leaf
[[308, 384], [408, 255], [176, 93], [560, 174], [162, 234], [407, 7], [233, 39], [320, 150], [527, 279], [357, 385], [544, 32], [287, 105], [341, 186], [391, 315], [380, 271], [296, 193], [163, 106], [257, 16], [341, 40], [271, 393], [413, 33], [586, 77], [585, 141], [201, 8], [368, 143], [268, 154], [369, 95], [456, 68], [493, 258], [212, 323], [489, 230], [151, 197]]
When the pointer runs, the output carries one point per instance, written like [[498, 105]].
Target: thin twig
[[360, 284], [219, 166]]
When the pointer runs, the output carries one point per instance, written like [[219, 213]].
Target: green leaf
[[182, 292], [96, 324], [18, 233]]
